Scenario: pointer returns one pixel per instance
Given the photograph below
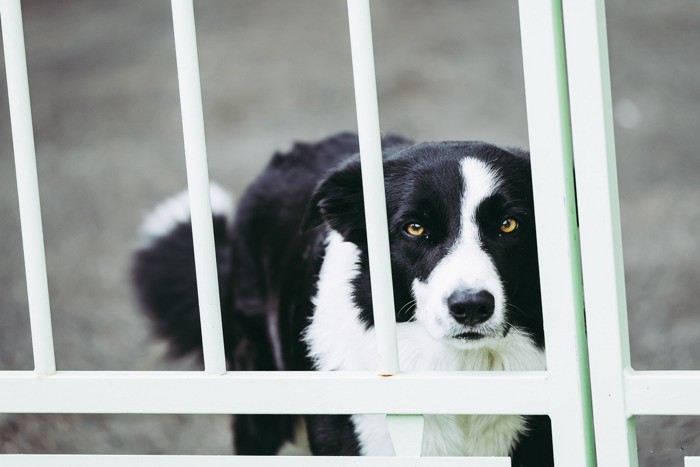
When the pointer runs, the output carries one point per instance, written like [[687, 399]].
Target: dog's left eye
[[415, 229], [509, 225]]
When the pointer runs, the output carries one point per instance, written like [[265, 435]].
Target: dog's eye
[[509, 225], [414, 229]]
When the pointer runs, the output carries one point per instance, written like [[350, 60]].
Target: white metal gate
[[566, 75], [618, 392]]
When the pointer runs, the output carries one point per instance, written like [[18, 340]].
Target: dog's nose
[[470, 307]]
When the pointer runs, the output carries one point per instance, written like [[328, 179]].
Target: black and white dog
[[295, 289]]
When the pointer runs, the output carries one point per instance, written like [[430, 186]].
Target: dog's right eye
[[415, 229], [509, 225]]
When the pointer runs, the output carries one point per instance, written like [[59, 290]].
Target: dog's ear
[[338, 201]]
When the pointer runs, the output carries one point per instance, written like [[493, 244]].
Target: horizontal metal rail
[[275, 393], [247, 461], [662, 393]]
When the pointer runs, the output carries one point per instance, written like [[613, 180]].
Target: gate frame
[[571, 125], [618, 392]]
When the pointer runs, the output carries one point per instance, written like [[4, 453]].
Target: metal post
[[601, 242], [555, 211], [373, 184], [27, 187], [198, 184]]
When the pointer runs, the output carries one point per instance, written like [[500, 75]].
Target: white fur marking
[[176, 210], [335, 311]]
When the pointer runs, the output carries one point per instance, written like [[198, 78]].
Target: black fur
[[166, 284], [271, 256]]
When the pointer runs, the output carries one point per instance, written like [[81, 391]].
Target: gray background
[[109, 147]]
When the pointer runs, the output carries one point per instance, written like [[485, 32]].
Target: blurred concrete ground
[[109, 147]]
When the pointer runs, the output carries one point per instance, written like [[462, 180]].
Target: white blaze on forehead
[[480, 182], [466, 266]]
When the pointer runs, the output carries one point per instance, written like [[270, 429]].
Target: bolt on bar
[[198, 185], [373, 184], [27, 187]]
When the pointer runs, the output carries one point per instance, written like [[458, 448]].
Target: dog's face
[[462, 237]]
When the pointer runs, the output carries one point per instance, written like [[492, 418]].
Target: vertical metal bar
[[406, 433], [601, 241], [198, 184], [555, 210], [373, 184], [27, 187]]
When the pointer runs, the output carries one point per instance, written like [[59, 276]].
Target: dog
[[295, 289]]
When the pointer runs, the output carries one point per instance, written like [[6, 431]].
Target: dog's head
[[462, 236]]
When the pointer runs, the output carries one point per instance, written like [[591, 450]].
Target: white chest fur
[[337, 340]]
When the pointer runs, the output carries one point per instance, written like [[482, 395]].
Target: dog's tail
[[163, 270]]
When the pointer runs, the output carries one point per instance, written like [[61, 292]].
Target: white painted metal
[[662, 392], [276, 393], [198, 184], [601, 243], [555, 209], [406, 433], [27, 187], [245, 461], [619, 393], [373, 184]]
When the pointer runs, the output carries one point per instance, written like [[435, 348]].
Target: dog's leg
[[262, 435], [535, 449], [332, 435]]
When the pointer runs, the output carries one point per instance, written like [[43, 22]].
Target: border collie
[[295, 288]]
